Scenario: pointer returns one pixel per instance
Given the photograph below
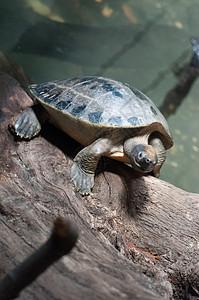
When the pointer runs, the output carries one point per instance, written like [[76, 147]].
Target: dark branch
[[188, 75], [61, 241]]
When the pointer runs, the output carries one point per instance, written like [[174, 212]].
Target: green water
[[137, 42]]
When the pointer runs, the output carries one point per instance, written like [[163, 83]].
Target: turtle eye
[[140, 155]]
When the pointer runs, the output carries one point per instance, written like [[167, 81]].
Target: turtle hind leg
[[27, 125], [85, 163], [29, 122]]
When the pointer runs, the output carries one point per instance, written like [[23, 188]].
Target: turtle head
[[143, 158]]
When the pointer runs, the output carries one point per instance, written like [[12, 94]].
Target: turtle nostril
[[148, 160]]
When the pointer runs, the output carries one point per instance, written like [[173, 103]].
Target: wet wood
[[177, 94], [138, 235], [188, 75]]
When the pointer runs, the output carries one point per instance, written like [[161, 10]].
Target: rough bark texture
[[138, 235]]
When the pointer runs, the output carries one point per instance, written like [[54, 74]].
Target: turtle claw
[[27, 125], [83, 181]]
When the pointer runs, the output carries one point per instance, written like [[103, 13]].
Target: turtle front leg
[[85, 164], [161, 154]]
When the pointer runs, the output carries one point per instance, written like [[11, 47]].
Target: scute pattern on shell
[[100, 101]]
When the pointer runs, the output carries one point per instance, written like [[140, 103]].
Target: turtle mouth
[[135, 163]]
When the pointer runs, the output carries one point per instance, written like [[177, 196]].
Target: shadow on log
[[138, 236]]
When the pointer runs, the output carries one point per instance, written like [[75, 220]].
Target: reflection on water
[[138, 42]]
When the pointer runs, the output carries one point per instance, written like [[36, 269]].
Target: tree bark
[[138, 235]]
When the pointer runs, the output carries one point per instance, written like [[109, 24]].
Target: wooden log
[[138, 234]]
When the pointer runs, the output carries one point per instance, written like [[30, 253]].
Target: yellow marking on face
[[119, 156]]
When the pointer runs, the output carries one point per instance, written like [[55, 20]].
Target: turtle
[[108, 117]]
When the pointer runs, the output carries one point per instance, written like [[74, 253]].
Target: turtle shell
[[101, 102]]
